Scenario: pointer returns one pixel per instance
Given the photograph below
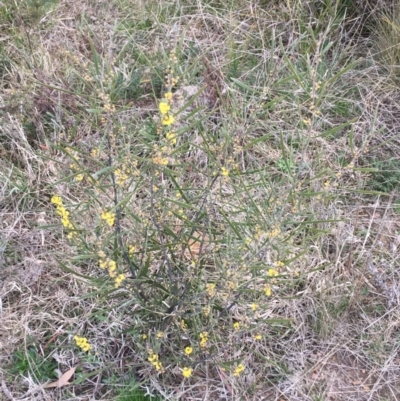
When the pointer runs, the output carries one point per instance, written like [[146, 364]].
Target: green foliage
[[387, 176], [184, 213], [25, 12], [29, 361], [134, 394]]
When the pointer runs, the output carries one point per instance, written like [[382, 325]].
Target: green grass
[[135, 394], [386, 176], [31, 362]]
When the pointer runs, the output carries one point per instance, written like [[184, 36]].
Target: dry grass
[[276, 81]]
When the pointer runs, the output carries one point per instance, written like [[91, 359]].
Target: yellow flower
[[273, 273], [144, 336], [224, 172], [168, 120], [203, 339], [160, 334], [239, 369], [267, 291], [187, 372], [158, 366], [236, 326], [82, 343], [112, 266], [164, 107], [79, 177], [258, 336], [171, 137], [108, 217], [168, 95], [56, 200], [188, 350], [254, 307], [153, 358], [119, 279], [63, 213], [210, 288]]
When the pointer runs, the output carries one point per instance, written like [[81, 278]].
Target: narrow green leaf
[[334, 130], [244, 86], [343, 71], [257, 140]]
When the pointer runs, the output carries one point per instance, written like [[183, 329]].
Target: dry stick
[[158, 228], [131, 264], [187, 286]]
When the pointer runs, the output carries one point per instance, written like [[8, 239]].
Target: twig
[[132, 266]]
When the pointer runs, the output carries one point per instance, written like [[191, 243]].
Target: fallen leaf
[[199, 243], [63, 380]]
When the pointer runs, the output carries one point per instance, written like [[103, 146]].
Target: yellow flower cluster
[[224, 172], [159, 159], [105, 98], [268, 290], [239, 369], [187, 372], [273, 233], [168, 119], [121, 176], [72, 166], [183, 325], [171, 137], [82, 343], [164, 107], [111, 266], [273, 273], [203, 339], [153, 358], [63, 213], [108, 217], [108, 264], [210, 288], [119, 279]]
